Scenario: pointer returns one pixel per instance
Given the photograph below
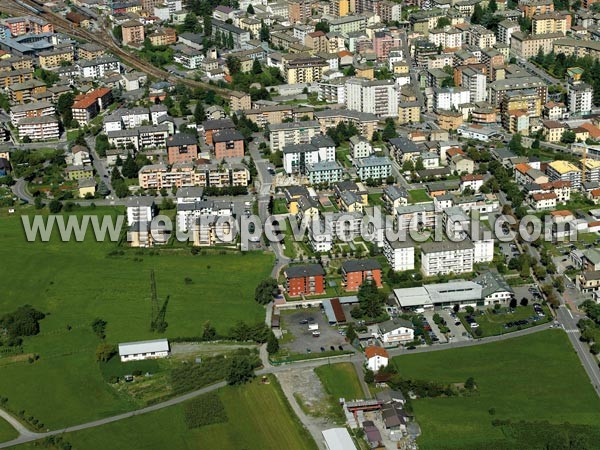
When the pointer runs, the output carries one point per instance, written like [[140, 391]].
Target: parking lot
[[529, 291], [509, 250], [458, 332], [297, 322]]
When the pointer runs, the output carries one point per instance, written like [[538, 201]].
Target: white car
[[474, 325]]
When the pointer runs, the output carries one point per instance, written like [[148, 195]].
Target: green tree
[[322, 26], [55, 206], [118, 33], [492, 6], [199, 113], [369, 376], [470, 384], [477, 15], [265, 33], [239, 370], [130, 168], [233, 64], [351, 333], [209, 333], [266, 290], [207, 25], [389, 131], [568, 137], [250, 9], [99, 327], [272, 344], [443, 22], [105, 351], [256, 67], [190, 23], [370, 299]]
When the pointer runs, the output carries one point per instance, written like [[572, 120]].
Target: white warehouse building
[[137, 351]]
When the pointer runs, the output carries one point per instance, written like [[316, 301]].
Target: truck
[[313, 327]]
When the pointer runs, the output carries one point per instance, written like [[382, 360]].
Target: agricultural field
[[255, 416], [340, 381], [533, 378], [74, 283]]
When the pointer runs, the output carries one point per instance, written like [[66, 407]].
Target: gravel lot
[[303, 337]]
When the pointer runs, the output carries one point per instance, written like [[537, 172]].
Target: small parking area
[[296, 322], [458, 333], [528, 291], [509, 250]]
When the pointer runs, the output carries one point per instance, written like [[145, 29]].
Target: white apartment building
[[450, 98], [140, 209], [35, 109], [480, 37], [333, 90], [442, 258], [379, 97], [476, 82], [360, 147], [324, 172], [296, 157], [400, 254], [373, 167], [447, 37], [99, 67], [580, 97], [505, 30], [42, 128], [292, 133]]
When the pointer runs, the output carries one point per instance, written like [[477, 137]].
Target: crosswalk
[[574, 331]]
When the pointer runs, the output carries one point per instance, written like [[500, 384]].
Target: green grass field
[[492, 324], [340, 381], [530, 378], [6, 431], [73, 283], [259, 418], [418, 196]]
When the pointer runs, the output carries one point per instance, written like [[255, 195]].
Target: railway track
[[104, 40]]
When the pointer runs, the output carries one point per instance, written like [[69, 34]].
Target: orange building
[[228, 144], [182, 147], [133, 32], [308, 280], [356, 272]]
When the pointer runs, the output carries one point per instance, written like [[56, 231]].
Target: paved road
[[21, 191], [569, 320], [487, 340]]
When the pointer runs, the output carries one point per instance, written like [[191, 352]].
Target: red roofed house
[[376, 357], [89, 105], [545, 201], [594, 195], [305, 280], [562, 215], [474, 182]]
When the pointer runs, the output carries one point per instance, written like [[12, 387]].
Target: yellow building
[[553, 130], [409, 112], [554, 22], [87, 186], [365, 72], [54, 58]]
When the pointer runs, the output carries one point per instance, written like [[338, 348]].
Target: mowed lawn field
[[73, 283], [258, 418], [532, 378], [340, 381], [7, 432]]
